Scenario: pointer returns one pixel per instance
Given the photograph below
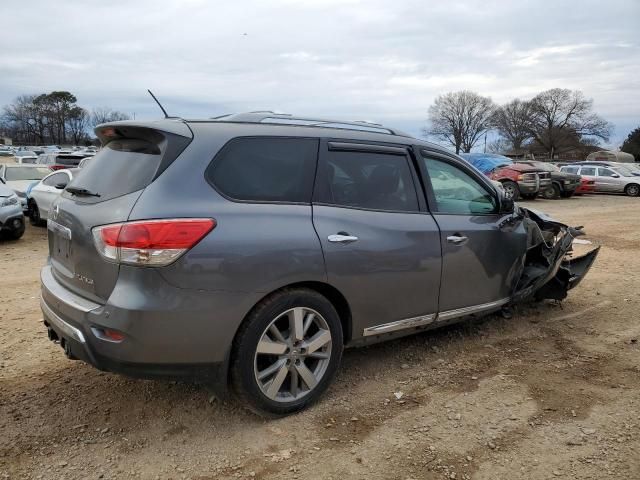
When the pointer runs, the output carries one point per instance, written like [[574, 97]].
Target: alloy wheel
[[292, 355]]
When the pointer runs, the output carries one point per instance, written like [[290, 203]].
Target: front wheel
[[552, 192], [34, 214], [511, 190], [286, 353], [632, 190]]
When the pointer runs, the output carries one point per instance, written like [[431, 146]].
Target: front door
[[381, 247], [482, 249]]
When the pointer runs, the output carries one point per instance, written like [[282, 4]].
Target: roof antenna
[[159, 104]]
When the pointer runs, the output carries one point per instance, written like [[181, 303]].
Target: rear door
[[609, 180], [131, 159], [482, 249], [48, 191], [381, 247], [590, 174]]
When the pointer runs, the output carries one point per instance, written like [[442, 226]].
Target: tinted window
[[56, 178], [374, 181], [265, 169], [68, 160], [123, 166], [456, 192], [570, 169], [588, 171]]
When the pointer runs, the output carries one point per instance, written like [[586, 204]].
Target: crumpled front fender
[[548, 270]]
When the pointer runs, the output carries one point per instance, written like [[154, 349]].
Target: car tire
[[16, 233], [34, 215], [552, 192], [632, 190], [511, 190], [268, 348]]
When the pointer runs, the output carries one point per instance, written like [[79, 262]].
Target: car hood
[[550, 268], [519, 167], [5, 191], [20, 185]]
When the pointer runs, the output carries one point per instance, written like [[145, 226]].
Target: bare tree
[[513, 122], [77, 125], [460, 118], [561, 117], [105, 114], [499, 145]]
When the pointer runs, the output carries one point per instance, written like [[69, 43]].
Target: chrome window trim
[[432, 318]]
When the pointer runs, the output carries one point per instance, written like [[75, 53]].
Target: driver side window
[[456, 192]]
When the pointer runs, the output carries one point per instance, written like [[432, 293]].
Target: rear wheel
[[552, 192], [287, 352], [34, 214], [632, 190], [17, 229], [511, 190]]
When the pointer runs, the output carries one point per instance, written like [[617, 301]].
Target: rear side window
[[375, 181], [591, 171], [265, 169], [570, 169], [68, 160]]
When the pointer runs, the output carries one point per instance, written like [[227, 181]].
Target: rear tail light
[[153, 243]]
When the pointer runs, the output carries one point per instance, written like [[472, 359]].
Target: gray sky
[[374, 60]]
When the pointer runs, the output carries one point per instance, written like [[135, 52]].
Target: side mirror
[[507, 204], [615, 175], [60, 186]]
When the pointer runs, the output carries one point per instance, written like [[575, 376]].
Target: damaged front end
[[549, 269]]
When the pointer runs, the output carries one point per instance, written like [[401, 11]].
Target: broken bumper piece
[[549, 270]]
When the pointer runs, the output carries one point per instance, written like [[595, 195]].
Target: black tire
[[34, 215], [243, 374], [511, 190], [16, 233], [632, 190], [552, 192]]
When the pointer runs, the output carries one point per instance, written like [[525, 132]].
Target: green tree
[[632, 144]]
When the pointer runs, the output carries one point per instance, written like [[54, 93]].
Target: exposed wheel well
[[332, 294]]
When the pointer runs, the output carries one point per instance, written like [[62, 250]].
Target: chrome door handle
[[457, 239], [340, 238]]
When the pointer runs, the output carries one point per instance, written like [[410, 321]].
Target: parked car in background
[[6, 151], [587, 185], [83, 162], [625, 167], [307, 238], [21, 177], [518, 180], [11, 216], [608, 179], [563, 184], [58, 160], [25, 156], [45, 192]]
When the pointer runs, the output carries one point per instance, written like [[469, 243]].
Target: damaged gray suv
[[248, 251]]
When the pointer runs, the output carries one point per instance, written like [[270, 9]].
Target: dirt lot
[[554, 392]]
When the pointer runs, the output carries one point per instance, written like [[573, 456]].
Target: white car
[[45, 192], [25, 156], [21, 177]]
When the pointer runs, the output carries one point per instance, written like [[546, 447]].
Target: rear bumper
[[168, 332]]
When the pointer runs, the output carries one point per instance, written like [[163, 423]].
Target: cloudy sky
[[377, 60]]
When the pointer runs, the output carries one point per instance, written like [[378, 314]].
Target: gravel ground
[[553, 392]]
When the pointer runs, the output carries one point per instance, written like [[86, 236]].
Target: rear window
[[26, 173], [123, 166], [68, 160], [265, 169]]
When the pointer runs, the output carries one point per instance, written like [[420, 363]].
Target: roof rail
[[278, 118]]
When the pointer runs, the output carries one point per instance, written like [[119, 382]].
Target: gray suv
[[248, 251]]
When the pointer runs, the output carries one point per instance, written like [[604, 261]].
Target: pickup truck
[[517, 179]]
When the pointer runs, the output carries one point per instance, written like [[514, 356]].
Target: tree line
[[553, 122], [52, 119]]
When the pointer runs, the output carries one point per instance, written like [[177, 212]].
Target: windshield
[[624, 171], [26, 173], [547, 167]]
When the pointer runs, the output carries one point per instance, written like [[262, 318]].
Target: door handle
[[341, 238], [457, 239]]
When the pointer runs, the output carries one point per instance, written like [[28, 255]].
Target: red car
[[586, 186]]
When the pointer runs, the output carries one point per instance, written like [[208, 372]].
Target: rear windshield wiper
[[82, 192]]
